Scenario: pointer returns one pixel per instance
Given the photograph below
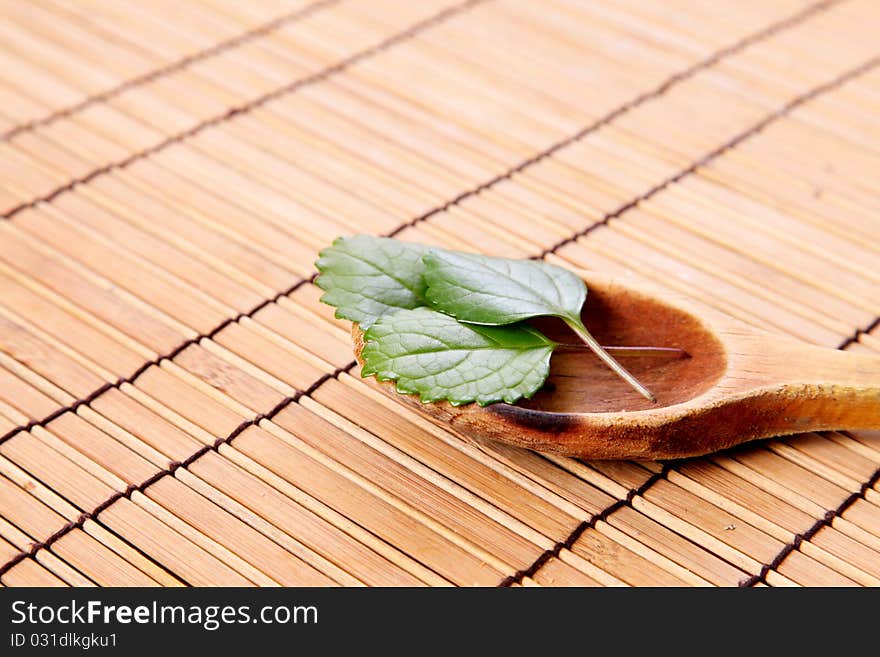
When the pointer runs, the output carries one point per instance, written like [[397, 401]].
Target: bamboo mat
[[176, 406]]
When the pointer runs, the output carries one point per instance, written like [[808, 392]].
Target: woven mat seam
[[656, 92], [825, 521], [717, 152], [578, 531], [168, 470], [248, 106], [172, 67]]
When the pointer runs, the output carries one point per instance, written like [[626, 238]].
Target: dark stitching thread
[[829, 516], [859, 333], [173, 67], [78, 524], [712, 155], [143, 368], [85, 401], [343, 64], [172, 467], [623, 109], [824, 521], [58, 412], [572, 538]]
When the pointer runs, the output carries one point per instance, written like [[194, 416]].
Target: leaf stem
[[631, 351], [578, 327]]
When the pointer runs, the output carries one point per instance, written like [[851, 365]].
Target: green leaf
[[365, 277], [436, 357], [487, 290], [368, 278], [497, 291]]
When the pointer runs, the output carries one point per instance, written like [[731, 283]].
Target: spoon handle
[[840, 368], [830, 388]]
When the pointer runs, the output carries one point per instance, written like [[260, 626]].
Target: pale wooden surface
[[160, 185]]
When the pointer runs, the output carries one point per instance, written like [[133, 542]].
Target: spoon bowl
[[738, 384]]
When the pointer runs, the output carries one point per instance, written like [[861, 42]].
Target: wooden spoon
[[739, 384]]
